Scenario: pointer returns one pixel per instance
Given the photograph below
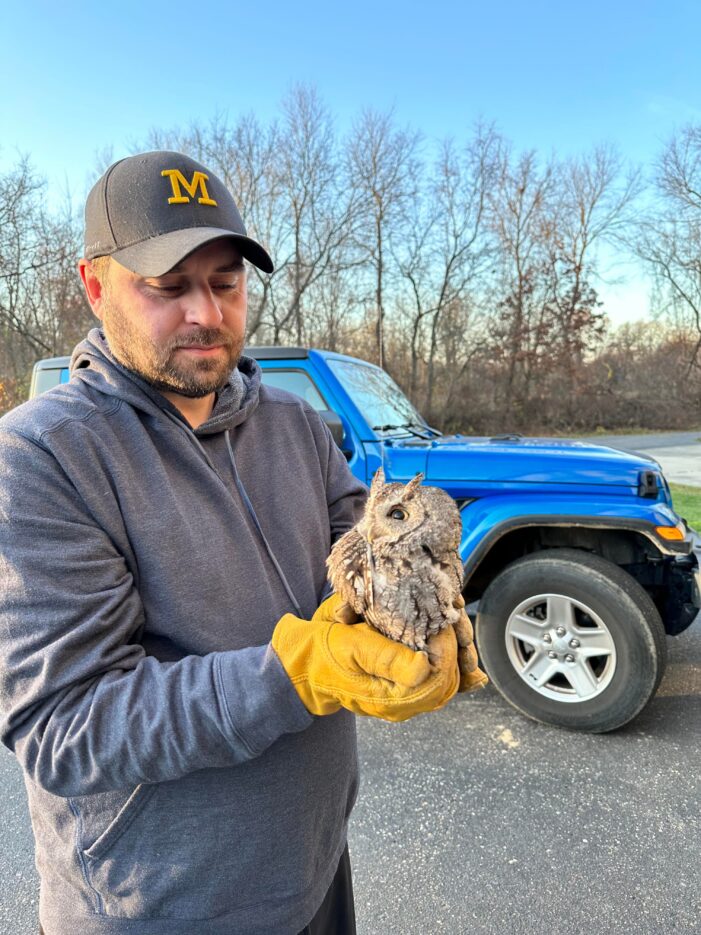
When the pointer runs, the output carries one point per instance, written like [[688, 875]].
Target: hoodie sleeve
[[81, 705]]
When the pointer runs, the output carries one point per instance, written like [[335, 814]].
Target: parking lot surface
[[678, 453], [477, 820]]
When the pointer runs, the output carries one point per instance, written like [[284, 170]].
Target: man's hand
[[334, 664]]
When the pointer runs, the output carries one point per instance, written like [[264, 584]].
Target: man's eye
[[225, 286], [164, 288], [398, 514]]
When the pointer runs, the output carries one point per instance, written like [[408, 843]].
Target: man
[[172, 683]]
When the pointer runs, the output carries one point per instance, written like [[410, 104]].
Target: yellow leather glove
[[336, 665]]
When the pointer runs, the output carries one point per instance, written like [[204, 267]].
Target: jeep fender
[[487, 519]]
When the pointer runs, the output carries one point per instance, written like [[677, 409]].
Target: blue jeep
[[574, 558]]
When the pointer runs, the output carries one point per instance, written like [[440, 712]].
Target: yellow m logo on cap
[[198, 181]]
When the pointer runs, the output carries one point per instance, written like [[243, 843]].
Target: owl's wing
[[457, 573], [458, 570], [346, 565], [444, 590]]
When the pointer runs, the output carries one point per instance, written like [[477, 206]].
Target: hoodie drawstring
[[249, 506], [256, 523]]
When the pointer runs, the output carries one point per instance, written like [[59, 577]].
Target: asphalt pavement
[[18, 879], [678, 453], [477, 820]]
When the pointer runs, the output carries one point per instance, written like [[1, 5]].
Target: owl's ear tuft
[[413, 485], [378, 481]]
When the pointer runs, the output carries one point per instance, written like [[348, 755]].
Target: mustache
[[203, 337]]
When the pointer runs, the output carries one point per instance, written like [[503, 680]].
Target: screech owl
[[399, 567]]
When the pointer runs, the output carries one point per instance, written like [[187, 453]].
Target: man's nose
[[202, 307]]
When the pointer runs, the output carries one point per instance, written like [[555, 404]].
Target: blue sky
[[554, 76]]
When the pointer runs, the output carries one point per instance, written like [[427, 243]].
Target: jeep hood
[[516, 461]]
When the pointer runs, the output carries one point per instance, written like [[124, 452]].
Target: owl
[[399, 567]]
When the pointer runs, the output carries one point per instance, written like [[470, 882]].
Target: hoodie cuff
[[260, 701]]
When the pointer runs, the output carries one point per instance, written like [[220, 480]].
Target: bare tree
[[592, 203], [382, 161], [446, 249], [668, 235], [472, 275], [519, 211], [42, 310], [321, 209]]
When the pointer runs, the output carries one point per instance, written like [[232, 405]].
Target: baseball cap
[[151, 210]]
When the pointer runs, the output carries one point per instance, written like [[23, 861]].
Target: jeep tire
[[571, 639]]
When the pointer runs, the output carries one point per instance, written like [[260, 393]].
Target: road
[[679, 453]]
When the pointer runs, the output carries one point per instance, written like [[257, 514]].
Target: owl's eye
[[398, 514]]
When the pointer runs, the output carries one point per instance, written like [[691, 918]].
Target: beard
[[161, 365]]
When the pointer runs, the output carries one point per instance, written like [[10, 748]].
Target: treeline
[[467, 269]]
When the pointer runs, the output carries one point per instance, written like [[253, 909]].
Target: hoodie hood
[[94, 364]]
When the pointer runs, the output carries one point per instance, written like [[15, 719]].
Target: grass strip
[[687, 503]]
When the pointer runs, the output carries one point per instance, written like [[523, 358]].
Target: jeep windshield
[[380, 400]]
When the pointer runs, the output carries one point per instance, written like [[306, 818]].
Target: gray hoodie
[[176, 783]]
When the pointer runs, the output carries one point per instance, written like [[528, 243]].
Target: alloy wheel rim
[[561, 648]]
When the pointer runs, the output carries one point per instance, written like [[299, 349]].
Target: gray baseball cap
[[152, 210]]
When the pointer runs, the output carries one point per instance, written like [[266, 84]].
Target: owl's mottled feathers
[[399, 567]]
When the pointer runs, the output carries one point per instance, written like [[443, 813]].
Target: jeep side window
[[43, 380], [297, 382]]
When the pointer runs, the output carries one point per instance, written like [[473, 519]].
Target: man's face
[[182, 332]]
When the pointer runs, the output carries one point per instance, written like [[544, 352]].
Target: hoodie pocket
[[133, 806]]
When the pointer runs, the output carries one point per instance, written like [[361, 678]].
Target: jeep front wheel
[[571, 639]]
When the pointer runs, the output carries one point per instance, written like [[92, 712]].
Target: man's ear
[[93, 286]]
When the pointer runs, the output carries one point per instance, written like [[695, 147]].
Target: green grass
[[687, 502]]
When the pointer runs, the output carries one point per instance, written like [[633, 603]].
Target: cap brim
[[157, 255]]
